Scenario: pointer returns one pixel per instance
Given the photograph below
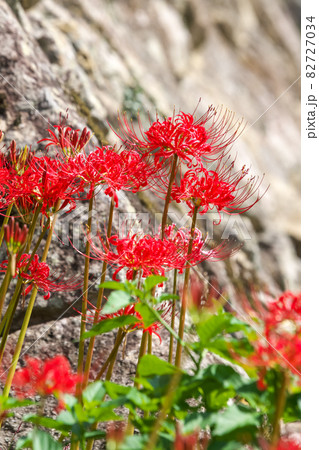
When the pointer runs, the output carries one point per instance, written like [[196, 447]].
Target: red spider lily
[[190, 441], [37, 275], [106, 166], [53, 376], [191, 140], [14, 236], [284, 443], [152, 255], [44, 183], [281, 321], [68, 141], [222, 190]]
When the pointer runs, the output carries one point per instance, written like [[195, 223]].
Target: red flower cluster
[[69, 142], [111, 168], [29, 181], [151, 255], [14, 236], [37, 275], [191, 140], [221, 189], [53, 376], [282, 330]]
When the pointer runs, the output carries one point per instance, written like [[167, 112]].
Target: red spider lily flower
[[284, 443], [190, 441], [281, 326], [44, 183], [152, 255], [68, 141], [15, 238], [53, 376], [37, 275], [191, 140], [288, 444], [109, 167], [17, 160], [222, 190], [200, 252], [164, 309]]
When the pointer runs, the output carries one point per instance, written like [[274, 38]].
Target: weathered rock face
[[96, 57]]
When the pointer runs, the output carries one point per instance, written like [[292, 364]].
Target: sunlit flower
[[53, 376], [280, 323], [221, 190], [69, 142], [152, 255], [192, 140], [37, 275], [113, 169]]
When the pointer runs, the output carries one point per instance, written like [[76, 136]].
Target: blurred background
[[97, 58]]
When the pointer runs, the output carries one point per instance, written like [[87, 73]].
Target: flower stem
[[85, 295], [167, 403], [5, 222], [5, 285], [8, 317], [280, 406], [171, 337], [112, 356], [141, 353], [27, 317], [168, 195], [98, 304], [184, 295]]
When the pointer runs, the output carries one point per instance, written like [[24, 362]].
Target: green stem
[[5, 222], [171, 337], [85, 295], [27, 317], [149, 344], [167, 403], [141, 353], [110, 364], [89, 356], [168, 195], [8, 317], [5, 285], [280, 406], [185, 292]]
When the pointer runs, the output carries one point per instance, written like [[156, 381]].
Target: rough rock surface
[[96, 58]]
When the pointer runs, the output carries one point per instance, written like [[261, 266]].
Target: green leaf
[[152, 365], [116, 390], [24, 442], [116, 301], [109, 324], [147, 314], [153, 281], [235, 419], [219, 323], [94, 392], [198, 421], [113, 285], [164, 297], [42, 440], [47, 422], [292, 411], [11, 402]]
